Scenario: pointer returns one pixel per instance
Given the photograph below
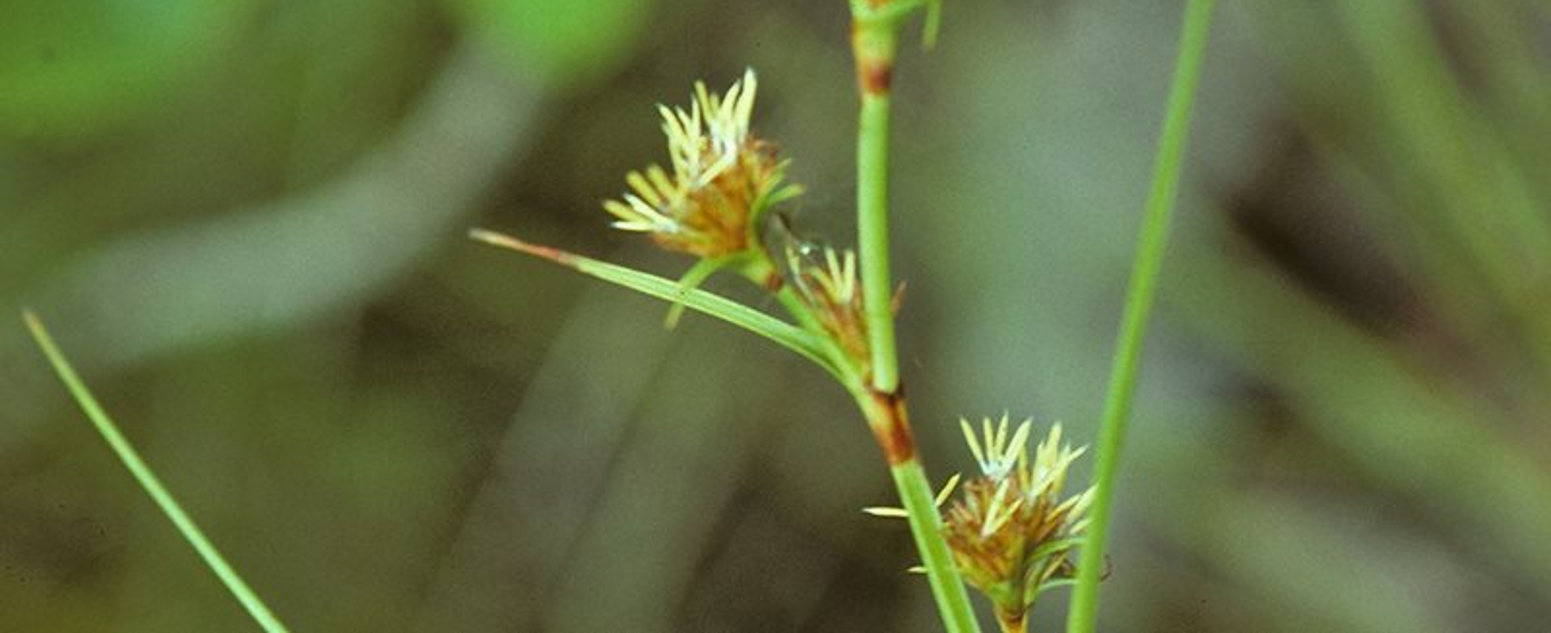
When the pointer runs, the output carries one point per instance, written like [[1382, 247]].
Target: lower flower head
[[1010, 529]]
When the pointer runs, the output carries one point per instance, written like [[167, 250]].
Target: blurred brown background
[[245, 221]]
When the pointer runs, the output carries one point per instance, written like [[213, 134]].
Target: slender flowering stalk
[[874, 41], [712, 204]]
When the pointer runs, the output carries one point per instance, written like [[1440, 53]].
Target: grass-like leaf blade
[[781, 332], [148, 480]]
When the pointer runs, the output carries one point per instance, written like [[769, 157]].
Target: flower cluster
[[1010, 530], [827, 282], [723, 178]]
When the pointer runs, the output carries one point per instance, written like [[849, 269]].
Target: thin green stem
[[1139, 300], [872, 224], [874, 42], [926, 526], [148, 481], [887, 418]]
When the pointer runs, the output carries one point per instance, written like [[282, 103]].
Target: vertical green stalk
[[148, 481], [874, 40], [887, 418], [926, 526], [1139, 300]]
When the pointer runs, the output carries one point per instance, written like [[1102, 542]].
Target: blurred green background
[[245, 221]]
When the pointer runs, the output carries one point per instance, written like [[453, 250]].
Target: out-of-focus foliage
[[72, 68], [246, 221], [568, 42]]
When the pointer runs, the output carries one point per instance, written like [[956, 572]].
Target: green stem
[[872, 208], [887, 418], [926, 526], [1139, 300], [148, 481], [874, 42]]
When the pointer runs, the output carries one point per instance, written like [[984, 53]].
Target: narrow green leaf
[[148, 480], [781, 332]]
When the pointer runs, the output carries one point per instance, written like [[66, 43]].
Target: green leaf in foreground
[[148, 481], [781, 332]]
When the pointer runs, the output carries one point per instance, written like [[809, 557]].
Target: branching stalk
[[887, 417]]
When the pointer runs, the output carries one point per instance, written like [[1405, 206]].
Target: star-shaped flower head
[[722, 182], [826, 280], [1010, 530]]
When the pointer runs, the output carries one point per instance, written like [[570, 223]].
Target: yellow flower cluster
[[722, 181], [1010, 530]]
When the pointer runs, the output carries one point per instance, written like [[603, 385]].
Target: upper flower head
[[723, 178]]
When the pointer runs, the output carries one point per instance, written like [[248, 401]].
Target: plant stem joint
[[891, 426], [874, 46]]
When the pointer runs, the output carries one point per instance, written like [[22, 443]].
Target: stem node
[[891, 426]]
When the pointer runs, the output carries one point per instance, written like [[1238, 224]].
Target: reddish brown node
[[875, 76], [893, 431]]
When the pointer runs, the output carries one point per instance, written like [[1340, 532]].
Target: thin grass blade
[[781, 332], [148, 480], [1145, 270]]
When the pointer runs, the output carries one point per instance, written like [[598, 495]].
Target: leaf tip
[[503, 240], [35, 325]]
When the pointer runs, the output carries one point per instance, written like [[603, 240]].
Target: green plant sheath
[[148, 481], [1139, 300]]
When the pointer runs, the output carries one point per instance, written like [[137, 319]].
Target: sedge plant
[[1011, 532], [714, 203]]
